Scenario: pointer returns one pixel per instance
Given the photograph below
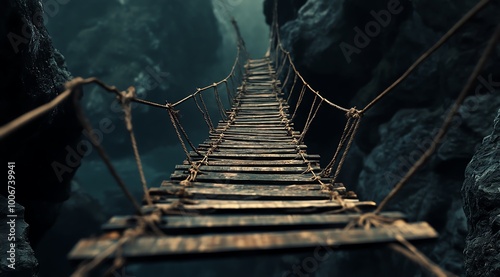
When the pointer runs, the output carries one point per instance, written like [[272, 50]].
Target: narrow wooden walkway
[[255, 194]]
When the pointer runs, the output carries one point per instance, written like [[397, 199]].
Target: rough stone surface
[[399, 128], [25, 262], [163, 49], [481, 196], [32, 72]]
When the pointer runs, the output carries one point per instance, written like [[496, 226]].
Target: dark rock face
[[80, 216], [326, 40], [32, 72], [25, 264], [158, 47], [481, 196]]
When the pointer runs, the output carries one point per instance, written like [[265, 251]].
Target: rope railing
[[354, 116], [283, 61]]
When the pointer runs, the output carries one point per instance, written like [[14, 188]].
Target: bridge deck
[[255, 194]]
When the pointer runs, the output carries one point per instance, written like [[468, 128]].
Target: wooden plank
[[275, 144], [244, 192], [250, 139], [253, 132], [277, 163], [271, 118], [223, 206], [313, 186], [198, 246], [266, 104], [264, 129], [242, 178], [253, 169], [222, 155], [256, 146], [255, 151], [242, 223]]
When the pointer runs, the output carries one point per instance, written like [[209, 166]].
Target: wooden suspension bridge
[[249, 188], [252, 187]]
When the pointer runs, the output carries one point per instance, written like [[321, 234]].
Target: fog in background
[[182, 44]]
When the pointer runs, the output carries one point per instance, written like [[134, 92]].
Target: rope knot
[[354, 113]]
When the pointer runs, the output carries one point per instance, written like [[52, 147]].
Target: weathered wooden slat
[[255, 151], [304, 187], [255, 169], [259, 207], [191, 246], [278, 163], [254, 139], [266, 104], [253, 132], [222, 155], [254, 146], [242, 223], [256, 127], [253, 117], [244, 192], [241, 178]]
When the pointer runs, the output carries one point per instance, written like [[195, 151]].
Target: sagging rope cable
[[448, 120], [470, 14], [275, 39], [241, 51]]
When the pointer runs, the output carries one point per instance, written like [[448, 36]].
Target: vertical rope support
[[171, 113], [311, 117], [356, 123], [127, 110], [285, 82], [299, 101], [184, 133], [205, 116], [348, 128], [219, 103], [283, 63], [207, 112], [230, 96], [293, 88], [86, 125]]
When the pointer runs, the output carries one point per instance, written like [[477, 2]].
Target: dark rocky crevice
[[399, 128]]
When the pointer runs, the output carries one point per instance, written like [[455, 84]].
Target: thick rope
[[100, 150], [448, 120], [219, 103], [230, 96], [292, 89], [299, 101], [310, 118], [471, 13], [348, 147], [184, 133], [287, 78], [179, 137], [347, 133], [206, 117], [127, 109], [412, 253]]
